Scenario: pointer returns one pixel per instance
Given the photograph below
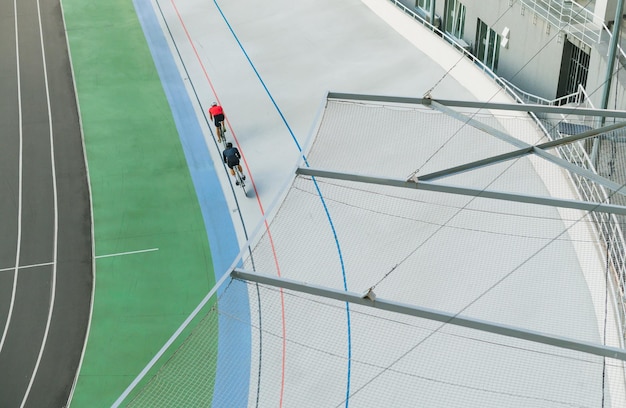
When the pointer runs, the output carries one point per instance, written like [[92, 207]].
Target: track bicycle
[[239, 179], [221, 134]]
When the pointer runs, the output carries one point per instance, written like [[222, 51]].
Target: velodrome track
[[266, 110], [45, 216], [266, 65], [141, 181]]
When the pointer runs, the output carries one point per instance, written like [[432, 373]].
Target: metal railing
[[568, 17], [578, 22], [607, 226], [576, 98], [574, 20]]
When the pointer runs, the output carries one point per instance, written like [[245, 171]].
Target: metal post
[[432, 13], [611, 57], [610, 64]]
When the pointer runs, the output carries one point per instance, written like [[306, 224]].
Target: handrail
[[607, 225], [577, 98], [565, 19], [569, 17]]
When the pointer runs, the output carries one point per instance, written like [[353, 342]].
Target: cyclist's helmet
[[214, 104], [229, 145]]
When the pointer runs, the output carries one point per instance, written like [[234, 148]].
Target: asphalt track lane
[[28, 309], [9, 155], [23, 341], [9, 143], [61, 356]]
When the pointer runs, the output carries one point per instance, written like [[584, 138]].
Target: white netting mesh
[[395, 360], [415, 246], [390, 139], [535, 267]]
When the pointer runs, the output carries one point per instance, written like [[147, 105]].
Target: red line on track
[[267, 228]]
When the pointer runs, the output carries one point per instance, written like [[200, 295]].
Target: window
[[455, 18], [423, 4], [487, 45], [574, 69]]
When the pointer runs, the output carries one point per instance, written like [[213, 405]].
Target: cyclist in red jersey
[[217, 115]]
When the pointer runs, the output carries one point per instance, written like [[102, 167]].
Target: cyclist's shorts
[[232, 162], [218, 119]]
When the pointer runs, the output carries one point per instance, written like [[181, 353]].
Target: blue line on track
[[233, 360], [332, 226]]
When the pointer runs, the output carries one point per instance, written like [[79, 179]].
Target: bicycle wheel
[[242, 184]]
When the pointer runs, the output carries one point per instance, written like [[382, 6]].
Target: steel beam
[[518, 107], [505, 137], [431, 314], [525, 149], [443, 188]]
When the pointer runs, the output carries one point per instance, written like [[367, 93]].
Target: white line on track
[[27, 266], [19, 184], [56, 214], [127, 253], [13, 268]]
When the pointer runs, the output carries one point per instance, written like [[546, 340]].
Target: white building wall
[[606, 9], [533, 58], [597, 78]]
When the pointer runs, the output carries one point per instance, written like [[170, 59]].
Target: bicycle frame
[[240, 179], [221, 133]]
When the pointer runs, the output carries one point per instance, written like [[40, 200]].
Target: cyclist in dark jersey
[[231, 157]]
